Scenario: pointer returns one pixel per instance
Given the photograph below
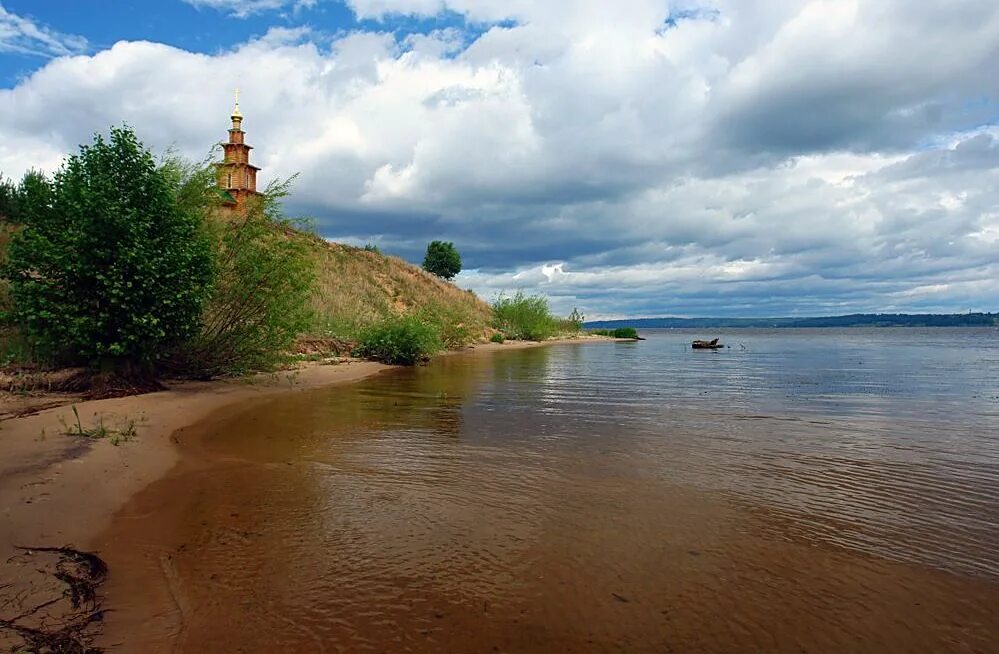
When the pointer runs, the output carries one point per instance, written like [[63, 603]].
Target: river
[[800, 490]]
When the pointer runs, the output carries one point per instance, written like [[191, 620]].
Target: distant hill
[[852, 320]]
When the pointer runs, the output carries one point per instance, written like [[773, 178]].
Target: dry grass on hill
[[357, 288]]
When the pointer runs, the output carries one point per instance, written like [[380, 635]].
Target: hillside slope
[[358, 288]]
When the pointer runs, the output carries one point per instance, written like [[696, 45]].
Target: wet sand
[[58, 490], [45, 475], [409, 517], [62, 489]]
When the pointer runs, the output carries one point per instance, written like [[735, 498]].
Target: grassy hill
[[358, 288]]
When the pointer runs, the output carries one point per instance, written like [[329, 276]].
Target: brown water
[[599, 498]]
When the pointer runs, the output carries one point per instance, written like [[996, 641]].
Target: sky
[[632, 158]]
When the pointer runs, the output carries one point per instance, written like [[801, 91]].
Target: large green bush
[[106, 267], [259, 299], [523, 317], [404, 340]]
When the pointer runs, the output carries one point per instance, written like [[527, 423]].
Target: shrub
[[15, 350], [404, 340], [450, 323], [442, 259], [497, 338], [371, 247], [620, 332], [259, 300], [573, 324], [524, 317], [107, 267], [10, 196]]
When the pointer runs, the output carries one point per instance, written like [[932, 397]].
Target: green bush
[[10, 197], [107, 267], [450, 324], [523, 317], [259, 300], [497, 338], [625, 332], [371, 247], [404, 340], [15, 350], [620, 332], [442, 259], [571, 325]]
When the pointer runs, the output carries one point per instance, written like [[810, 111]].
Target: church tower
[[237, 178]]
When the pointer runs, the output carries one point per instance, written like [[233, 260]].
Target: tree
[[9, 199], [108, 267], [442, 259]]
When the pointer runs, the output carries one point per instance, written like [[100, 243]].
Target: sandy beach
[[57, 489], [62, 490]]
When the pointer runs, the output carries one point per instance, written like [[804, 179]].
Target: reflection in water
[[815, 491]]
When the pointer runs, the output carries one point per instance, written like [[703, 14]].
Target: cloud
[[245, 8], [22, 35], [633, 158]]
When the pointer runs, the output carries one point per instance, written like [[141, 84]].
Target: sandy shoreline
[[59, 490], [63, 490]]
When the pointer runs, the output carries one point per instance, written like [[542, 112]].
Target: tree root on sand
[[40, 616]]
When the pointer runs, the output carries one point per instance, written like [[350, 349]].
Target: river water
[[800, 490]]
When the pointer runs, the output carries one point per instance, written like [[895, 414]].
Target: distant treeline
[[852, 320]]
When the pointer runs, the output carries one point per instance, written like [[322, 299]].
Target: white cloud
[[244, 8], [24, 36], [623, 157]]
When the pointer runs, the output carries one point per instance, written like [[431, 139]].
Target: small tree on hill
[[442, 259], [107, 267]]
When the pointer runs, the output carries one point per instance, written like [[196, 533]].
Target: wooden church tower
[[237, 177]]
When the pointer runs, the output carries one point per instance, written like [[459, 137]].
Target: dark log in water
[[707, 345]]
